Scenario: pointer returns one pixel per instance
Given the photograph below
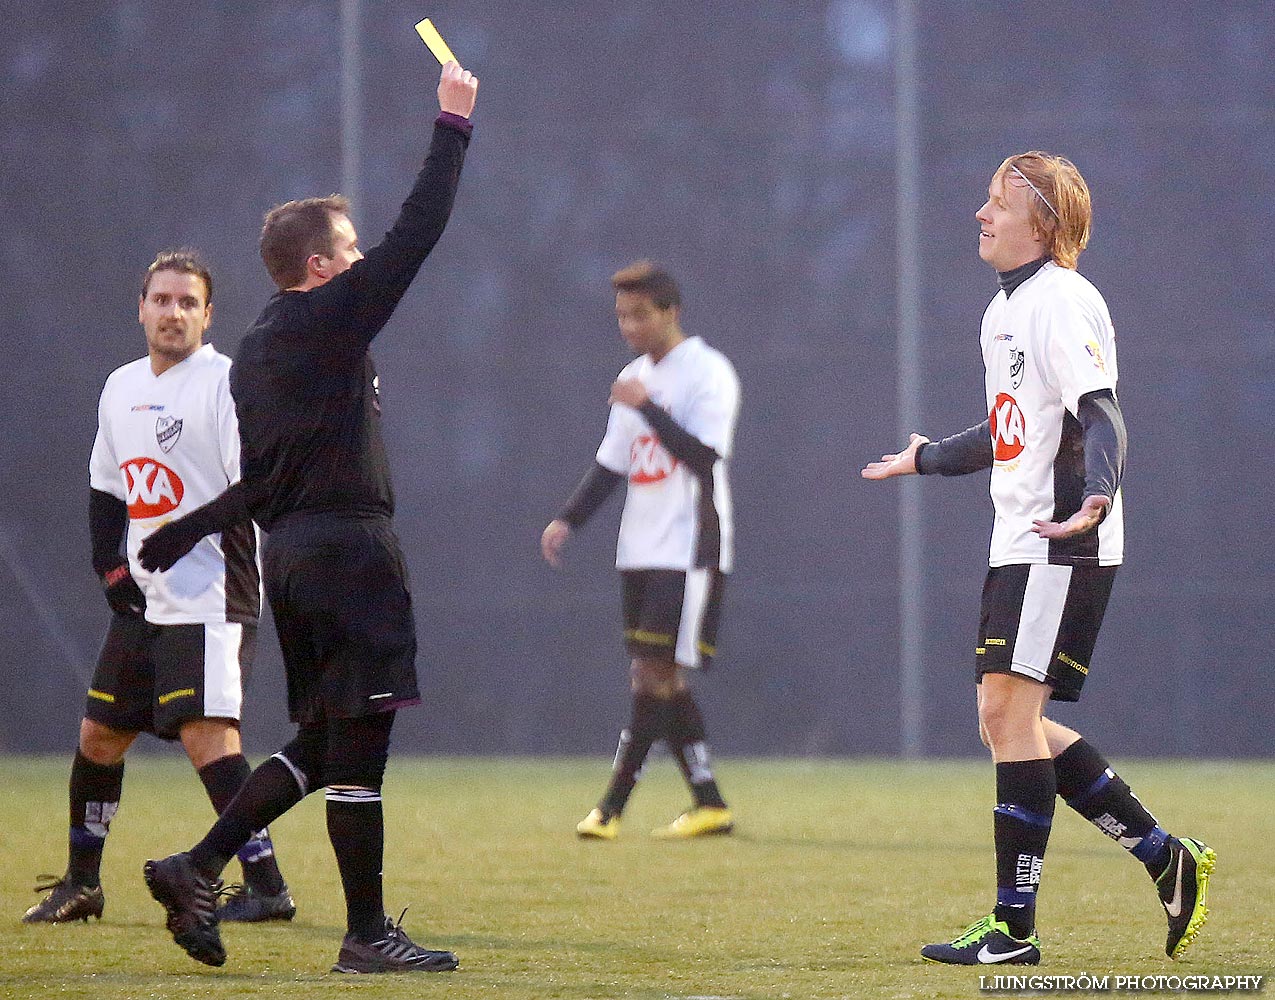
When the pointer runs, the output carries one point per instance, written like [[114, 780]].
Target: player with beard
[[180, 645]]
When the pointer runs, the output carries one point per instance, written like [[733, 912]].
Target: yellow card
[[430, 36]]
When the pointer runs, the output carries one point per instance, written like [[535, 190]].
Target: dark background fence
[[752, 148]]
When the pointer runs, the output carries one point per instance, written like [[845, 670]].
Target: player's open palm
[[457, 90], [1085, 520], [901, 464]]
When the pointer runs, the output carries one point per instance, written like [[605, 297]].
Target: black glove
[[122, 592], [164, 546]]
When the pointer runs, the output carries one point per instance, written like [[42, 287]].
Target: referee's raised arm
[[358, 301]]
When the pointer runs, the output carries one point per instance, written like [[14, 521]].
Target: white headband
[[1036, 189]]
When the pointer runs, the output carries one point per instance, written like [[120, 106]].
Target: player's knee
[[997, 718], [358, 751], [102, 744], [657, 678], [208, 740]]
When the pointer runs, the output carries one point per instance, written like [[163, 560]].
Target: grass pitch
[[838, 872]]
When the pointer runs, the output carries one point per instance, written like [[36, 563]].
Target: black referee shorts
[[1042, 622], [338, 589]]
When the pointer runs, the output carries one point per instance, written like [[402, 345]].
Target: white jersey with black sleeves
[[672, 519], [1045, 346], [165, 445]]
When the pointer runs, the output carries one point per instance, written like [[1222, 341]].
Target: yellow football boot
[[702, 821], [594, 827]]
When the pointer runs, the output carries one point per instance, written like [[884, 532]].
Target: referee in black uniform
[[315, 476]]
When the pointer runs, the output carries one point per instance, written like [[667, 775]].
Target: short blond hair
[[1061, 210]]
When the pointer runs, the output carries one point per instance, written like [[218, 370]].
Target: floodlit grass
[[839, 871]]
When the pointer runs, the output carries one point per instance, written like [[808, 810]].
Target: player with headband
[[1055, 440]]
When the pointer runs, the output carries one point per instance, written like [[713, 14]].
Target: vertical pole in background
[[351, 102], [907, 203]]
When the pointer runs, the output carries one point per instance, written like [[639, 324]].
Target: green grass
[[839, 871]]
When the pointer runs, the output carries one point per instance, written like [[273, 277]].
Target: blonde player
[[1054, 439]]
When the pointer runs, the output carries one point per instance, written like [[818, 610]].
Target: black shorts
[[339, 592], [153, 678], [672, 615], [1042, 622]]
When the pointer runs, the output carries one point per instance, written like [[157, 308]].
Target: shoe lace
[[236, 890], [974, 931], [43, 883]]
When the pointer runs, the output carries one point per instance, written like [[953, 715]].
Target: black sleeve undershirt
[[1106, 442], [679, 441], [959, 454], [108, 521], [598, 484], [224, 511]]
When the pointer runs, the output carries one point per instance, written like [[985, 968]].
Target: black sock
[[1088, 784], [1024, 813], [686, 742], [356, 827], [648, 724], [222, 780], [270, 791], [95, 795]]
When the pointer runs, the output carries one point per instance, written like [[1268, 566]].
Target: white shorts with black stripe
[[672, 614], [1041, 621]]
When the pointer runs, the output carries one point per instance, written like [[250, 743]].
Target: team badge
[[167, 431], [1017, 365]]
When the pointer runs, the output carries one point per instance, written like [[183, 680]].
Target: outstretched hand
[[901, 464], [457, 90], [1090, 515]]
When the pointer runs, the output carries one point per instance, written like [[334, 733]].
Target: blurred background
[[810, 173]]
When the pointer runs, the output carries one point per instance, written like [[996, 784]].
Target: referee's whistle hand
[[457, 90], [552, 540]]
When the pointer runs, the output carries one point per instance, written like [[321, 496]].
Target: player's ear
[[141, 301], [316, 264]]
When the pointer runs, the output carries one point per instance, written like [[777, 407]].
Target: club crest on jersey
[[151, 488], [167, 431], [1017, 365], [1009, 429], [649, 461]]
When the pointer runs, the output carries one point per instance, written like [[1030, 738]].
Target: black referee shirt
[[303, 381]]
